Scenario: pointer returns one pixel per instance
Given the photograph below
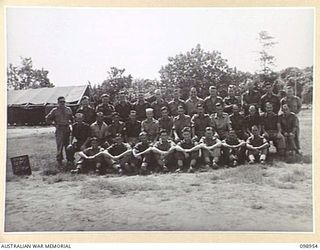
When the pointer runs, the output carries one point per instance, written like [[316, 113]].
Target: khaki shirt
[[179, 122], [99, 132], [191, 105], [151, 127], [62, 116], [221, 124]]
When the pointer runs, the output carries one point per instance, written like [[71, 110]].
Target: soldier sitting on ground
[[163, 150], [81, 132], [211, 148], [234, 148], [288, 122], [90, 160], [257, 147], [122, 154], [187, 152], [271, 129], [253, 118], [142, 153]]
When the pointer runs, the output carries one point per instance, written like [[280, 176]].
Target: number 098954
[[308, 246]]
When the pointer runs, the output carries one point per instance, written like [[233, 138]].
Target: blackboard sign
[[21, 165]]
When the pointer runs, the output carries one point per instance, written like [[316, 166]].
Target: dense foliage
[[25, 76]]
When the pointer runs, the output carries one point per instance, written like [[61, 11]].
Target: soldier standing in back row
[[250, 97], [89, 114], [211, 101], [270, 97], [62, 118], [294, 104]]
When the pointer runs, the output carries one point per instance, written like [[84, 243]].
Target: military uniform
[[164, 146], [157, 108], [62, 117], [116, 128], [151, 127], [124, 110], [89, 114], [84, 165], [294, 104], [251, 120], [199, 123], [229, 101], [273, 99], [257, 141], [126, 162], [80, 131], [190, 156], [269, 124], [166, 123], [288, 124], [133, 129], [191, 105], [232, 154], [100, 131], [216, 152], [238, 124], [179, 122], [107, 111], [251, 98], [145, 158], [210, 104], [173, 106], [140, 108], [221, 124]]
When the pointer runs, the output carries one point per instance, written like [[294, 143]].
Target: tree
[[116, 81], [196, 68], [266, 59], [25, 76], [300, 79]]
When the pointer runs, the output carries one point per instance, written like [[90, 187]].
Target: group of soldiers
[[177, 136]]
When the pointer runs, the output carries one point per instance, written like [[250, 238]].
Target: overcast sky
[[81, 44]]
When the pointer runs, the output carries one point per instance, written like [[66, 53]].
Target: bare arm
[[137, 154], [83, 155], [218, 144], [129, 151]]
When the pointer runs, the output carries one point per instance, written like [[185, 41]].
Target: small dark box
[[21, 165]]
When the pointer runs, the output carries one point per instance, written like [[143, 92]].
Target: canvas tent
[[30, 106]]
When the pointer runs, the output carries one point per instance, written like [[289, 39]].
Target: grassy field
[[246, 198]]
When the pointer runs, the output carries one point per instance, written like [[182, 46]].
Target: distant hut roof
[[44, 96]]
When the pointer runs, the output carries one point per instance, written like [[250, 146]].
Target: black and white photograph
[[159, 119]]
